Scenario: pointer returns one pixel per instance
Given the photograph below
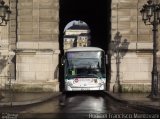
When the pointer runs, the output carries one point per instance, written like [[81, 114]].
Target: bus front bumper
[[95, 88]]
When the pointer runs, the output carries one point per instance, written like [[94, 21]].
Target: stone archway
[[96, 14], [76, 34]]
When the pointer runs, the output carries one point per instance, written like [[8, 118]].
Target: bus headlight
[[102, 87], [68, 88], [69, 83], [100, 82]]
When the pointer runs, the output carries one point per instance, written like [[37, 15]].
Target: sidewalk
[[19, 99], [137, 99]]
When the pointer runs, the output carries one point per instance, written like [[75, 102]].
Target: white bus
[[84, 69]]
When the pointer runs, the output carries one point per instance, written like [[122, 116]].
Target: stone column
[[136, 65], [37, 45]]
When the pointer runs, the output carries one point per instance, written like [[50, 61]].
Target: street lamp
[[151, 16], [4, 13]]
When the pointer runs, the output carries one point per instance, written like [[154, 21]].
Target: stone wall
[[135, 72], [136, 65], [37, 46], [30, 42]]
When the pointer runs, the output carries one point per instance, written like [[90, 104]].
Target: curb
[[137, 104], [34, 101]]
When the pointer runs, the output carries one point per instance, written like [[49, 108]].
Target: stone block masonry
[[33, 32], [32, 37], [136, 65]]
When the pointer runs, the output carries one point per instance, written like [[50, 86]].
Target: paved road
[[78, 105]]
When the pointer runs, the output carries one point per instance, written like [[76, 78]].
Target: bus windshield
[[88, 64]]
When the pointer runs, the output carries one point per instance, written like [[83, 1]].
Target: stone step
[[34, 87]]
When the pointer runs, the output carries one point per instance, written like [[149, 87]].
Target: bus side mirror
[[106, 57]]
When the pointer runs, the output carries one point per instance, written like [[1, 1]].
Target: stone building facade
[[136, 65], [29, 45], [32, 36]]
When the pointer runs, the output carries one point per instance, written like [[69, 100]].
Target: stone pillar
[[136, 65], [37, 44]]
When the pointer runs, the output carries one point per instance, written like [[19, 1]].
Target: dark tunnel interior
[[96, 14]]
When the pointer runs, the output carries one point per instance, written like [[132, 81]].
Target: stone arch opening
[[96, 14], [76, 34]]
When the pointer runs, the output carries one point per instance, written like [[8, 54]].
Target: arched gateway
[[30, 45]]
